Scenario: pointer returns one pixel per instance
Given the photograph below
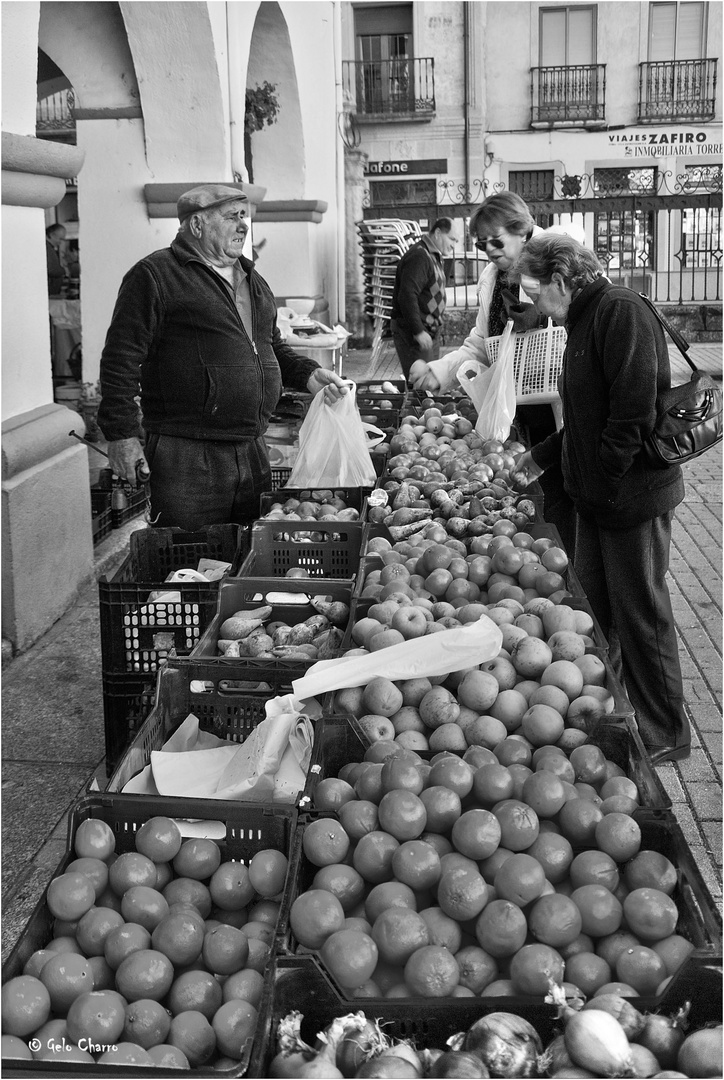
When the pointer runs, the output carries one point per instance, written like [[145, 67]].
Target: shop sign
[[406, 168], [667, 142]]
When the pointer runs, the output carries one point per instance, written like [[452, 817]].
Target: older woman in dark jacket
[[615, 364]]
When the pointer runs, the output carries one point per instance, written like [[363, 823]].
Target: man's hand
[[424, 340], [124, 456], [525, 470], [422, 378], [326, 380], [524, 316]]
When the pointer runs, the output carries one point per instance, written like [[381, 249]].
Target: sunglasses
[[490, 241]]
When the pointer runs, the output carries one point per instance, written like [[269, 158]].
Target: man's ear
[[558, 280]]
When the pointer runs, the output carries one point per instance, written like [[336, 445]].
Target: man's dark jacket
[[616, 362], [176, 326], [418, 298]]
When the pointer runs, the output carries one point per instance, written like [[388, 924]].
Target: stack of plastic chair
[[383, 243]]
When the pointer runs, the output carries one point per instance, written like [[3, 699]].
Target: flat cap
[[206, 196]]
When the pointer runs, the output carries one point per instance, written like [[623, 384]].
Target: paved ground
[[52, 719]]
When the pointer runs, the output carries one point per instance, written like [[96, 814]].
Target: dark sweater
[[616, 362], [418, 298], [176, 328]]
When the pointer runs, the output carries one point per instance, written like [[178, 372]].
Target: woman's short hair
[[506, 210], [549, 254]]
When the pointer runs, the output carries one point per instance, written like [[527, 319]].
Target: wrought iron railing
[[55, 113], [677, 90], [390, 88], [571, 94]]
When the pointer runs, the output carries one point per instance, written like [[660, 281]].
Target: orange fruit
[[416, 864], [131, 869], [147, 1023], [588, 972], [513, 751], [477, 969], [346, 883], [164, 1056], [589, 763], [144, 974], [462, 893], [533, 966], [94, 869], [94, 928], [325, 842], [368, 784], [641, 968], [372, 856], [442, 805], [124, 940], [554, 853], [259, 954], [601, 912], [314, 915], [651, 869], [491, 783], [197, 858], [331, 793], [442, 930], [402, 814], [143, 905], [397, 933], [261, 930], [268, 871], [34, 964], [558, 764], [14, 1048], [98, 1016], [619, 785], [266, 911], [159, 839], [125, 1053], [520, 879], [234, 1025], [194, 991], [611, 946], [400, 774], [66, 976], [188, 891], [388, 894], [501, 928], [25, 1005], [544, 793], [103, 975], [230, 887], [555, 920], [578, 819], [519, 824], [350, 957], [594, 868], [180, 937], [476, 834], [70, 895], [247, 985], [358, 818], [225, 950], [650, 914], [432, 972], [619, 836], [194, 1036], [94, 839], [63, 943], [490, 866], [673, 950]]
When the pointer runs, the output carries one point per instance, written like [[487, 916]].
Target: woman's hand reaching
[[422, 378]]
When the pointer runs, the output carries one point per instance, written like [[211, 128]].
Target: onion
[[357, 1046], [294, 1053], [389, 1065], [508, 1045], [573, 1073], [645, 1064], [663, 1036], [594, 1039], [701, 1052], [630, 1019], [459, 1063], [556, 1057]]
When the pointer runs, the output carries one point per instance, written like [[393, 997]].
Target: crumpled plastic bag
[[497, 411], [270, 765]]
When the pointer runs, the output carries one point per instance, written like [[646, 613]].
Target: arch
[[278, 150]]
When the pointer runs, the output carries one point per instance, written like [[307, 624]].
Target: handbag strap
[[681, 343]]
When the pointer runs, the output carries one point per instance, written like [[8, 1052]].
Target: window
[[567, 36], [384, 46], [677, 31], [702, 178], [532, 184], [701, 238], [624, 181], [624, 238], [404, 193]]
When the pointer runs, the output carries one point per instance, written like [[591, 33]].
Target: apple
[[550, 695], [509, 707], [600, 693], [385, 638], [410, 622], [566, 645], [584, 712], [350, 700], [412, 740], [531, 657], [407, 719], [564, 674], [557, 618], [376, 727], [592, 668], [511, 634]]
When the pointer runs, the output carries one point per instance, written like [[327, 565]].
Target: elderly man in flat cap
[[194, 328]]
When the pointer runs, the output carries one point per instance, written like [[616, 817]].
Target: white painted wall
[[19, 23]]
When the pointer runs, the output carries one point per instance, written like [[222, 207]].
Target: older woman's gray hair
[[546, 255], [505, 210]]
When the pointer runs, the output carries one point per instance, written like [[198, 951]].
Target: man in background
[[54, 237]]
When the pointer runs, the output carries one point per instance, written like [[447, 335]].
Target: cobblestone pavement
[[52, 728]]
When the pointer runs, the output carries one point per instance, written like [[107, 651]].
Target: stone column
[[354, 185]]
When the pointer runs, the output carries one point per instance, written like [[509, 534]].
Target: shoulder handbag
[[688, 417]]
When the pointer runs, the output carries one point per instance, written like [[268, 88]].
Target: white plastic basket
[[537, 363]]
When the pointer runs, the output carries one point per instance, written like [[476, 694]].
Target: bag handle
[[681, 343]]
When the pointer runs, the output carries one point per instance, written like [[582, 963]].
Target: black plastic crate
[[138, 630], [387, 420], [248, 829], [229, 708], [127, 701], [101, 515], [301, 983], [135, 500], [323, 549], [290, 602]]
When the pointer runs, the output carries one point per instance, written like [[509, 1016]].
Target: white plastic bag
[[498, 406], [334, 448]]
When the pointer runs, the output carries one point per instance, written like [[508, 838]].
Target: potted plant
[[262, 106]]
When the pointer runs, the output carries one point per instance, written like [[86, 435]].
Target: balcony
[[54, 117], [570, 95], [390, 89], [677, 90]]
